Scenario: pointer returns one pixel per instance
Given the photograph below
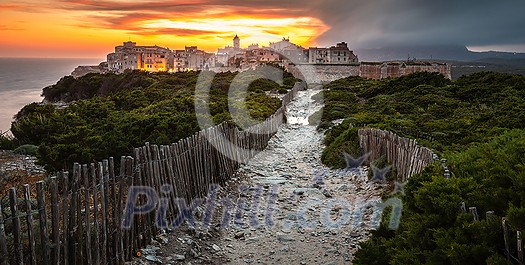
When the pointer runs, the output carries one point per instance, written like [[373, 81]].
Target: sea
[[22, 81]]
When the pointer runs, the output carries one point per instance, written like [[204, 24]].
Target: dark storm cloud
[[368, 23], [125, 15], [374, 24], [247, 7], [362, 23]]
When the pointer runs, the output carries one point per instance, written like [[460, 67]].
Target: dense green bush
[[342, 138], [109, 114], [7, 143], [433, 229], [452, 114], [478, 124], [26, 149]]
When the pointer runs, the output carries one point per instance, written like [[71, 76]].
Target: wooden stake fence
[[77, 217], [405, 154]]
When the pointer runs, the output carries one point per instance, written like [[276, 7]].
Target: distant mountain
[[500, 65], [450, 53]]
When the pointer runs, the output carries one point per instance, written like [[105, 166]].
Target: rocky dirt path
[[316, 216], [286, 207], [16, 169]]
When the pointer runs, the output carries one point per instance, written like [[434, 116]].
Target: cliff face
[[88, 69]]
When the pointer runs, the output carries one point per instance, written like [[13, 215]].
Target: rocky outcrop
[[88, 69]]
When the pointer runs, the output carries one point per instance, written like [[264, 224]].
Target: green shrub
[[6, 143], [478, 124], [26, 149], [516, 217], [110, 114], [347, 141]]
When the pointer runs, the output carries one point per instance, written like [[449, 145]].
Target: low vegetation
[[109, 114], [477, 123]]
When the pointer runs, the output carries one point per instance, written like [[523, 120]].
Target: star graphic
[[399, 188], [380, 174], [352, 162]]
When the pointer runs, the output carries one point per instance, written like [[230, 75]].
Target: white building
[[226, 54]]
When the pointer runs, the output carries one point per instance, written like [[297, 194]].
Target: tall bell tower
[[236, 42]]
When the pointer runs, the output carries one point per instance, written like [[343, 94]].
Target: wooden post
[[85, 174], [96, 250], [506, 238], [474, 213], [42, 217], [55, 232], [134, 173], [65, 199], [520, 246], [119, 210], [13, 200], [111, 166], [29, 221], [126, 232], [149, 218], [73, 222], [3, 240], [130, 234], [463, 207], [103, 201], [93, 185], [489, 216], [139, 223]]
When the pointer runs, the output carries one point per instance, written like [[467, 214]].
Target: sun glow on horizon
[[217, 32], [38, 31]]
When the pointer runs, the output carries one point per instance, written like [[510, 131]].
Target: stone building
[[318, 55], [194, 58], [295, 54], [225, 56], [321, 64], [126, 56], [180, 63], [133, 57], [253, 46], [290, 52], [154, 59], [191, 58], [266, 55], [129, 56], [236, 43], [339, 54]]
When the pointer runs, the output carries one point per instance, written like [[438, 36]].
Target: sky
[[91, 28]]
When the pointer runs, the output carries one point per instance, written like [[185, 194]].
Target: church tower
[[236, 42]]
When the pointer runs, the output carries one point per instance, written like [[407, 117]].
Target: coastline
[[22, 81]]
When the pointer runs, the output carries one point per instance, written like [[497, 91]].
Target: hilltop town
[[320, 64]]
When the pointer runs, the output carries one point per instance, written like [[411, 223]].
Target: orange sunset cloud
[[86, 28]]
